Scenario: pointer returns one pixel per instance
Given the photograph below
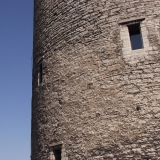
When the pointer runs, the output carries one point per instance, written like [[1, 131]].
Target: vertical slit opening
[[40, 73]]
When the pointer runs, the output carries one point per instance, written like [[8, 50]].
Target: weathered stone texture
[[98, 97]]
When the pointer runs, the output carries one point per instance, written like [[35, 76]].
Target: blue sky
[[16, 32]]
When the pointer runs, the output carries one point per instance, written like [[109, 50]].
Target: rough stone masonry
[[94, 97]]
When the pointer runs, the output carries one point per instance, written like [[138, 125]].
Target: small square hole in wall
[[135, 36]]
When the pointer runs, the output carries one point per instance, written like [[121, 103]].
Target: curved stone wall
[[98, 98]]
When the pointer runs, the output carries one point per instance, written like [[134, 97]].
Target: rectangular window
[[40, 73], [55, 153], [135, 36]]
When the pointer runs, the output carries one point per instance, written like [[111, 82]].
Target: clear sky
[[16, 32]]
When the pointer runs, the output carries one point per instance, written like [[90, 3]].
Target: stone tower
[[96, 80]]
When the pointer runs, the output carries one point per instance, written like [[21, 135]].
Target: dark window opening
[[40, 70], [135, 36], [57, 154]]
